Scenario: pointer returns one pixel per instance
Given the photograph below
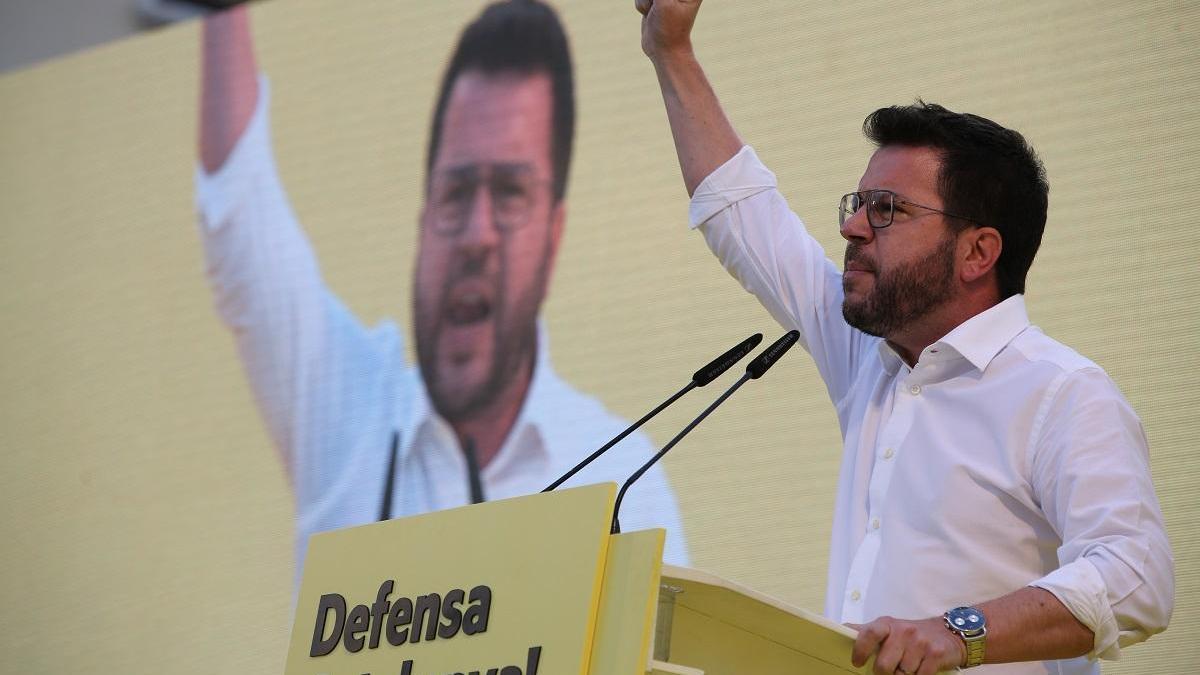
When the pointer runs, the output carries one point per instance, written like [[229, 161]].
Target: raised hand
[[228, 84], [667, 25]]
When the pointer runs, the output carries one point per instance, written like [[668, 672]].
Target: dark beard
[[510, 359], [514, 345], [904, 295]]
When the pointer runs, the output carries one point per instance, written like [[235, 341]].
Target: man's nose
[[856, 228], [480, 231]]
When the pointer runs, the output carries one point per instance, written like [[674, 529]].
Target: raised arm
[[228, 84], [745, 220], [704, 137], [317, 374]]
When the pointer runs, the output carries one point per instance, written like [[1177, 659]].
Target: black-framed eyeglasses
[[881, 207], [512, 193]]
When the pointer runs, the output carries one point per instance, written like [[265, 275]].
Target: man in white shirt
[[365, 436], [995, 503]]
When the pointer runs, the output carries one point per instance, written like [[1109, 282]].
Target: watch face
[[965, 619]]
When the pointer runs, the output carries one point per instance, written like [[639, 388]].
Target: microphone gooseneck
[[754, 370], [385, 506], [474, 478], [700, 378]]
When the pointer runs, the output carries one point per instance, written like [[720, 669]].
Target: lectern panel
[[511, 585]]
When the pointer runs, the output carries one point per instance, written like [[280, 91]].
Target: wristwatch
[[968, 623]]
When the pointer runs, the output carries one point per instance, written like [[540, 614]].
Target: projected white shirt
[[1003, 459], [334, 393]]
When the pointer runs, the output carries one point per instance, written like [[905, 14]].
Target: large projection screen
[[148, 525]]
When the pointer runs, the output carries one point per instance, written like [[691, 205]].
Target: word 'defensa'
[[403, 620]]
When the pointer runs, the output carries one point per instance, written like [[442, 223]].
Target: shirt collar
[[978, 339], [888, 357], [524, 439]]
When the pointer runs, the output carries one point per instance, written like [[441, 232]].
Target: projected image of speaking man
[[364, 435]]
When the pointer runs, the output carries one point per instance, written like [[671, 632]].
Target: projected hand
[[667, 24], [228, 84]]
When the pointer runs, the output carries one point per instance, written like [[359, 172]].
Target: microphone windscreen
[[771, 354], [725, 361]]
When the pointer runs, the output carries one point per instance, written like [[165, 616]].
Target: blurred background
[[142, 502]]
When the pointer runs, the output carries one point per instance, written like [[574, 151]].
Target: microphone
[[474, 479], [385, 507], [700, 378], [725, 361], [770, 355], [754, 370]]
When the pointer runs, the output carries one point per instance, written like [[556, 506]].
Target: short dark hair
[[523, 37], [989, 175]]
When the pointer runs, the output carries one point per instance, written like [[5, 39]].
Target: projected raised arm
[[704, 137], [229, 84], [266, 282]]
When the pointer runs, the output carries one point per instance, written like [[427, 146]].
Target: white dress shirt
[[333, 393], [1002, 459]]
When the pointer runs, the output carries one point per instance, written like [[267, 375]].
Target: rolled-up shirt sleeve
[[1091, 472]]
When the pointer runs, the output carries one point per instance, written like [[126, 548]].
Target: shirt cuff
[[218, 193], [741, 176], [1079, 587]]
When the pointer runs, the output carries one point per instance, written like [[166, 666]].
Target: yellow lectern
[[537, 586]]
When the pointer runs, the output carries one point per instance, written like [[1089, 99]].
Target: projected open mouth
[[468, 304]]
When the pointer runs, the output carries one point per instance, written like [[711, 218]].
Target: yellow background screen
[[147, 524]]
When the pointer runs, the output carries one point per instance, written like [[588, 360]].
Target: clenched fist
[[667, 25]]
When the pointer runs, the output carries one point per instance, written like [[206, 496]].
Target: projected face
[[899, 274], [489, 233]]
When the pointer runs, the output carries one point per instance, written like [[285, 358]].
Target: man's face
[[489, 232], [897, 275]]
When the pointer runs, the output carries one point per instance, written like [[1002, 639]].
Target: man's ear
[[979, 249], [558, 217], [422, 215]]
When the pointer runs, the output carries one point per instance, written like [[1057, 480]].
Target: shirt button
[[875, 524], [855, 596], [914, 389], [889, 453]]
